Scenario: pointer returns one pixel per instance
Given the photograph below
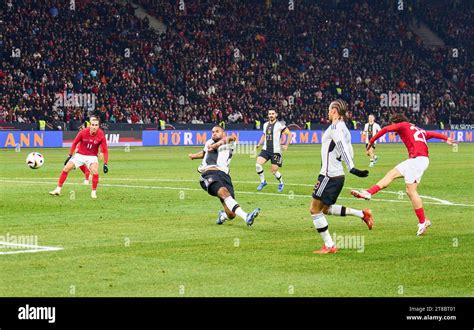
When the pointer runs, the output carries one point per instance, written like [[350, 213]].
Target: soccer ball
[[35, 160]]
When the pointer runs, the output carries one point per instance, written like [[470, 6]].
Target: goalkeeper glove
[[359, 173]]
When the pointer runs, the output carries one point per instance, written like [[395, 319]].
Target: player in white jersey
[[216, 157], [272, 148], [336, 147], [370, 129]]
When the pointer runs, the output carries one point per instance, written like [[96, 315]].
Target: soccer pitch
[[152, 230]]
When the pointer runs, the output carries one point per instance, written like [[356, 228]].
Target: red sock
[[374, 189], [86, 171], [95, 181], [420, 213], [62, 178]]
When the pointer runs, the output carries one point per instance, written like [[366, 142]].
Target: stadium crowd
[[226, 61]]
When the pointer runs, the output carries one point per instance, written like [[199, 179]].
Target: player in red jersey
[[89, 140], [411, 169], [83, 168]]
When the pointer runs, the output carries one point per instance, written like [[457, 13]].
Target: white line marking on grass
[[33, 248], [238, 192]]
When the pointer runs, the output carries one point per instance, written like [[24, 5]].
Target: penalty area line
[[290, 196]]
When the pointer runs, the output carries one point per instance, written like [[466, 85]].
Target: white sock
[[321, 225], [241, 213], [278, 176], [259, 169], [58, 188], [343, 211], [234, 207]]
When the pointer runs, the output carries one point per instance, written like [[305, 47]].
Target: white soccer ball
[[35, 160]]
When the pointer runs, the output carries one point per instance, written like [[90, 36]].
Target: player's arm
[[224, 140], [366, 133], [287, 132], [386, 129], [72, 150], [104, 149], [199, 155], [337, 136], [261, 141], [436, 135]]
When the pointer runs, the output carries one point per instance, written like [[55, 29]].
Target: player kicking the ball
[[89, 140], [215, 179], [272, 148], [411, 169], [336, 147]]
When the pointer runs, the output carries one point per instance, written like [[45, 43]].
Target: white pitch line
[[34, 248], [239, 192]]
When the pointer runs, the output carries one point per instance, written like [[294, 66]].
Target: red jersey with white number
[[89, 144], [413, 137]]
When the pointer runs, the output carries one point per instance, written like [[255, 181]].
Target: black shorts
[[373, 146], [275, 158], [212, 181], [328, 189]]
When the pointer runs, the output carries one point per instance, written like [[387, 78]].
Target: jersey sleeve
[[76, 141], [390, 128], [283, 127], [435, 135], [337, 135], [104, 149]]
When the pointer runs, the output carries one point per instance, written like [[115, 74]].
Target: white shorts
[[80, 160], [412, 169]]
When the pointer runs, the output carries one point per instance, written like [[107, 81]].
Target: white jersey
[[272, 136], [219, 158], [336, 148], [370, 130]]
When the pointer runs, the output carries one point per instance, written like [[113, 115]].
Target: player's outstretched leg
[[86, 172], [417, 203], [321, 225], [62, 178], [365, 215], [234, 207], [278, 176], [95, 179], [385, 182]]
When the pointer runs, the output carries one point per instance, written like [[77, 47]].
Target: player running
[[411, 169], [272, 148], [89, 141], [336, 147], [370, 129], [216, 157]]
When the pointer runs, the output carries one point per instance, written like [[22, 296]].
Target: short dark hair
[[398, 118], [222, 128], [340, 105]]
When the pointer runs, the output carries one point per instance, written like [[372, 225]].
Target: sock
[[235, 207], [420, 213], [95, 181], [374, 189], [278, 176], [321, 225], [62, 178], [86, 171], [259, 169], [343, 211]]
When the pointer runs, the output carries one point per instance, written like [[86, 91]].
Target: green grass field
[[152, 230]]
